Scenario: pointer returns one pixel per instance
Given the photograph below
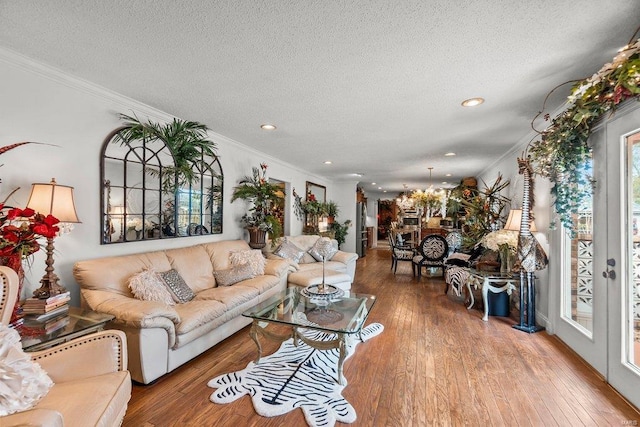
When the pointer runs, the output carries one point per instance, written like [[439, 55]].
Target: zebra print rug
[[294, 377]]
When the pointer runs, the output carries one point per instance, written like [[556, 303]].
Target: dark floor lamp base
[[530, 329]]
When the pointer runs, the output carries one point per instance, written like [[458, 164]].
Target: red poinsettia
[[20, 230]]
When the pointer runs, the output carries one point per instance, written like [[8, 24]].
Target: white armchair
[[92, 386]]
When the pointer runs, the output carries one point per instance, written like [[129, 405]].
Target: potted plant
[[331, 210], [259, 220], [341, 231]]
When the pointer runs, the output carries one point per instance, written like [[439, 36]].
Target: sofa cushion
[[180, 292], [233, 275], [96, 401], [199, 311], [219, 252], [261, 284], [148, 286], [230, 296], [194, 265], [253, 257], [113, 273]]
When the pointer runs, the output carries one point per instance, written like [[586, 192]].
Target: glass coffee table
[[343, 316], [78, 322]]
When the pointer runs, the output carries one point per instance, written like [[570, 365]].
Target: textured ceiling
[[374, 86]]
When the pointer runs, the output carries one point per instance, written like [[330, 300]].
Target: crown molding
[[58, 76]]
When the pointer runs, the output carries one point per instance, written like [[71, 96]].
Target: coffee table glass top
[[345, 314]]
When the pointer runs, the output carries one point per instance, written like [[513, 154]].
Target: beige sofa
[[341, 262], [92, 386], [162, 337]]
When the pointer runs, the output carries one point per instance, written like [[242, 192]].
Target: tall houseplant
[[259, 220]]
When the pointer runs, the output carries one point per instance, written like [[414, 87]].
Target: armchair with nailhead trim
[[91, 383]]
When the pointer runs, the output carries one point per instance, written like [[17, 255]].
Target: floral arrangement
[[20, 230], [496, 240], [562, 153], [258, 190]]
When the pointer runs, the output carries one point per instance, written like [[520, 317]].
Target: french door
[[598, 310]]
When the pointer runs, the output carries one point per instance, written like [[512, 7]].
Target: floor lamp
[[56, 200]]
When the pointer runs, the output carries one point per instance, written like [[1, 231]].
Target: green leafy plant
[[331, 209], [187, 141], [257, 190], [340, 231], [563, 152]]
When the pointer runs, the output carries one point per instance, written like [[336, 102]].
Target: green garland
[[563, 151]]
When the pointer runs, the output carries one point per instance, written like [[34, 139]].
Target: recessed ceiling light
[[267, 126], [449, 154], [444, 182], [379, 188], [448, 174], [472, 102], [384, 191], [373, 183], [328, 162], [358, 174]]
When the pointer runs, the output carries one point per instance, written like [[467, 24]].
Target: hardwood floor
[[436, 363]]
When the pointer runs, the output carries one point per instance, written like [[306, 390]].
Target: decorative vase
[[14, 262], [506, 260], [257, 237]]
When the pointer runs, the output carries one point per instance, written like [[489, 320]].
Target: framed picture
[[319, 191]]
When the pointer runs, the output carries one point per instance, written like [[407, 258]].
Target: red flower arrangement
[[20, 230]]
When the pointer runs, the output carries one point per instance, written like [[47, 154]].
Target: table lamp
[[56, 200]]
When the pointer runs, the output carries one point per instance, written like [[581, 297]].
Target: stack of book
[[36, 309]]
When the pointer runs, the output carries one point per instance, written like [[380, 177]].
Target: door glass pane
[[578, 257], [632, 291]]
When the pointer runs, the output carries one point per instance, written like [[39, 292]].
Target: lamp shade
[[514, 219], [53, 199]]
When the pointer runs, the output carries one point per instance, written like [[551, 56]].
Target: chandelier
[[405, 202]]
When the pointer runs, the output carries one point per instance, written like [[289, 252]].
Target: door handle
[[611, 262], [609, 274]]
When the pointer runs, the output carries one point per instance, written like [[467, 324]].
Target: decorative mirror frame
[[139, 173], [320, 191]]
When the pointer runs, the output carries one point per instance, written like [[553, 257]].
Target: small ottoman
[[314, 277]]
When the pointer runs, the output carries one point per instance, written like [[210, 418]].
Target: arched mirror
[[154, 187]]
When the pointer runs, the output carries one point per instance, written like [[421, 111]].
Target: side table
[[493, 281], [81, 322]]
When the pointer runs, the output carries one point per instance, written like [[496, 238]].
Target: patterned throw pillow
[[289, 251], [323, 246], [148, 286], [180, 292], [253, 257], [234, 275]]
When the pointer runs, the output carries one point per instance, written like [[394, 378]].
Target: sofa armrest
[[130, 311], [33, 417], [276, 267], [84, 357], [291, 265], [345, 257]]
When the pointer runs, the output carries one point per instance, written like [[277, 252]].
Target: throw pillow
[[233, 275], [148, 286], [180, 292], [289, 251], [253, 257], [323, 246], [24, 382]]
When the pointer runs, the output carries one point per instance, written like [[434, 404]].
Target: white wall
[[41, 104]]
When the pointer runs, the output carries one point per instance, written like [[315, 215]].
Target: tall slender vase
[[14, 262]]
